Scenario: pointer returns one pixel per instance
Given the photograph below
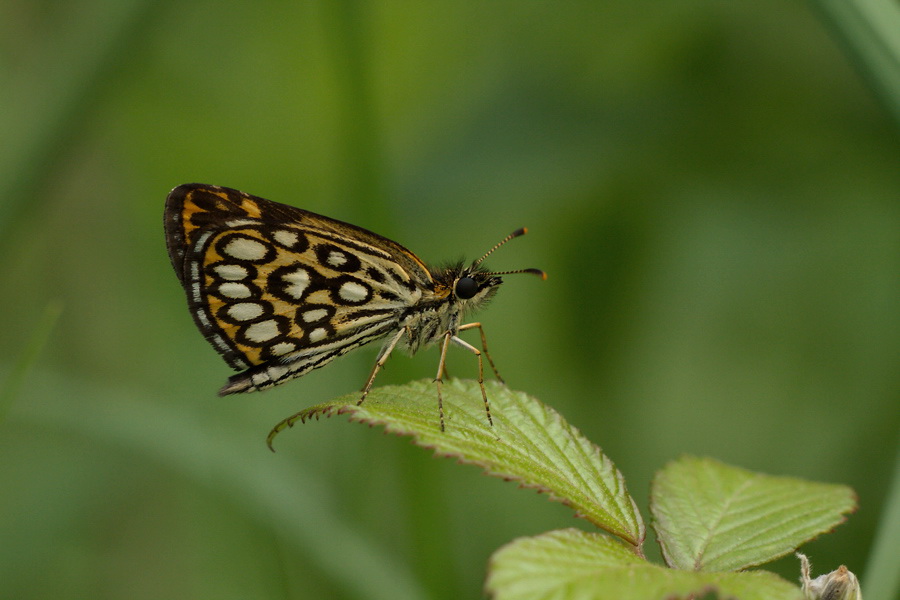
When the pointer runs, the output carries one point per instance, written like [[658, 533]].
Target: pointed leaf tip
[[529, 443], [714, 517]]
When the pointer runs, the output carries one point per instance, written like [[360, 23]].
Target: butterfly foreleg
[[484, 348], [440, 374], [463, 344], [379, 362]]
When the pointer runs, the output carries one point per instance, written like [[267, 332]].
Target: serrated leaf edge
[[357, 413]]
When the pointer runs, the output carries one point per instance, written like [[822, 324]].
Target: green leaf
[[570, 563], [713, 517], [529, 443]]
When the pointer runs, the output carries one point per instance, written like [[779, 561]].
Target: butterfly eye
[[466, 288]]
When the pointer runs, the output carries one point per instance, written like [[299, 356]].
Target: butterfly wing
[[279, 291]]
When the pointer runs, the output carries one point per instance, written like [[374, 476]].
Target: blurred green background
[[712, 188]]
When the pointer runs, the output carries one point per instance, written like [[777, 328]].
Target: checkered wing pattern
[[279, 291]]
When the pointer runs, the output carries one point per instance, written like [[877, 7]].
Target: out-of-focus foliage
[[712, 188]]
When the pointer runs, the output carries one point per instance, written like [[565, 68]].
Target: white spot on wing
[[235, 223], [245, 311], [297, 282], [242, 248], [220, 343], [282, 348], [285, 238], [317, 334], [231, 289], [336, 259], [201, 316], [201, 240], [352, 291], [276, 372], [317, 314], [262, 331], [231, 272]]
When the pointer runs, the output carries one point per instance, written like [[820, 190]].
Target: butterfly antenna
[[513, 235], [537, 272]]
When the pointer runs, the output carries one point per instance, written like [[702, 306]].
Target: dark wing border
[[219, 204]]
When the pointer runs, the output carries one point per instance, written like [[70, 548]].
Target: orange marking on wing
[[251, 208], [189, 210]]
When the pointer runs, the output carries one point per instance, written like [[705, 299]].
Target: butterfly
[[279, 291]]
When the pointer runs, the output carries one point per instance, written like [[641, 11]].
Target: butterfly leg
[[440, 374], [379, 362], [300, 416], [484, 348], [462, 343]]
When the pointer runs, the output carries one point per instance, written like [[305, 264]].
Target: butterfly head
[[470, 286], [474, 285]]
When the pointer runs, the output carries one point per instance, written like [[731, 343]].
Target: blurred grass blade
[[529, 443], [881, 580], [570, 563], [19, 371], [871, 31], [710, 516]]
